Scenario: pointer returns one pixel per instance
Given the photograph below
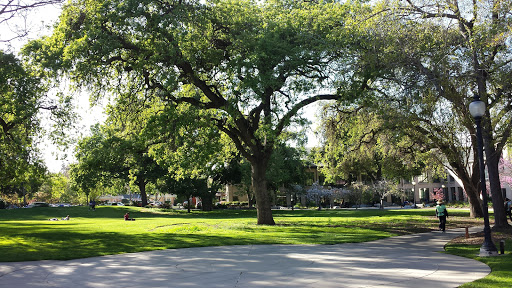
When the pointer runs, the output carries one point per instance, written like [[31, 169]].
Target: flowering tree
[[384, 188], [316, 192], [505, 168], [437, 194]]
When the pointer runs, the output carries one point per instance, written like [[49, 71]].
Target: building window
[[310, 179], [460, 193], [423, 178], [321, 180], [424, 197]]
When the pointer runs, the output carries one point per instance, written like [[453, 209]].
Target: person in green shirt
[[441, 214]]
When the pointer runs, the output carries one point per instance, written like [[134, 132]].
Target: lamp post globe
[[477, 110]]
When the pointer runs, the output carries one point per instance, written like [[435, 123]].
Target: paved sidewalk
[[405, 261]]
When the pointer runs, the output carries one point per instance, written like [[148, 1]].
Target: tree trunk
[[250, 198], [475, 205], [142, 189], [492, 159], [470, 183], [259, 184], [206, 202], [492, 156]]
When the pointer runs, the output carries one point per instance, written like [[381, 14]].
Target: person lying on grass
[[56, 219]]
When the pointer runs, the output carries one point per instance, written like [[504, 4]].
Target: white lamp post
[[477, 110]]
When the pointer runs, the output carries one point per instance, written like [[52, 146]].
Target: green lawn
[[26, 234], [501, 266]]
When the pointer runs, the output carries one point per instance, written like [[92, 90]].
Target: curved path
[[404, 261]]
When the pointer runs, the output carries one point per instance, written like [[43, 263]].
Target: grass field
[[26, 234]]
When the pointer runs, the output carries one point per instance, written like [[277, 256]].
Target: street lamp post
[[477, 110], [414, 191]]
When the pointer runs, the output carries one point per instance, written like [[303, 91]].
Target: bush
[[2, 204], [232, 205], [166, 205], [219, 205], [458, 204]]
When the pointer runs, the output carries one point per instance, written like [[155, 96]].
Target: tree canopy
[[358, 143], [253, 64], [21, 98], [421, 65]]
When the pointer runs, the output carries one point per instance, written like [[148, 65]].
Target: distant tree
[[27, 184], [505, 168], [317, 193], [359, 193], [104, 158], [437, 194], [358, 142], [383, 189], [286, 168]]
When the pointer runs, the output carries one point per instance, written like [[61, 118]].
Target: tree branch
[[286, 118]]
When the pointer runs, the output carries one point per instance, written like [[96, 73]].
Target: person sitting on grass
[[65, 218], [127, 217]]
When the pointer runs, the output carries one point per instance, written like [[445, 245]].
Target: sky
[[39, 23]]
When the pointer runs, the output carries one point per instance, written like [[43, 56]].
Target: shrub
[[166, 205], [219, 205]]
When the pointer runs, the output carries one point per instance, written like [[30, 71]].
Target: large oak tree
[[254, 63]]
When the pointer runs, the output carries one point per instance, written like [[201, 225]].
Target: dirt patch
[[478, 238]]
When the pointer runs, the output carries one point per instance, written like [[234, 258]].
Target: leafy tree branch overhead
[[421, 65]]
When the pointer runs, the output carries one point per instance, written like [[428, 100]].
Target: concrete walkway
[[405, 261]]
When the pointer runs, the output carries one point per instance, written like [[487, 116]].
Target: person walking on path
[[508, 208], [441, 213]]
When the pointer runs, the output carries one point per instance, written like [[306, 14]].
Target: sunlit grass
[[28, 235], [501, 266]]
